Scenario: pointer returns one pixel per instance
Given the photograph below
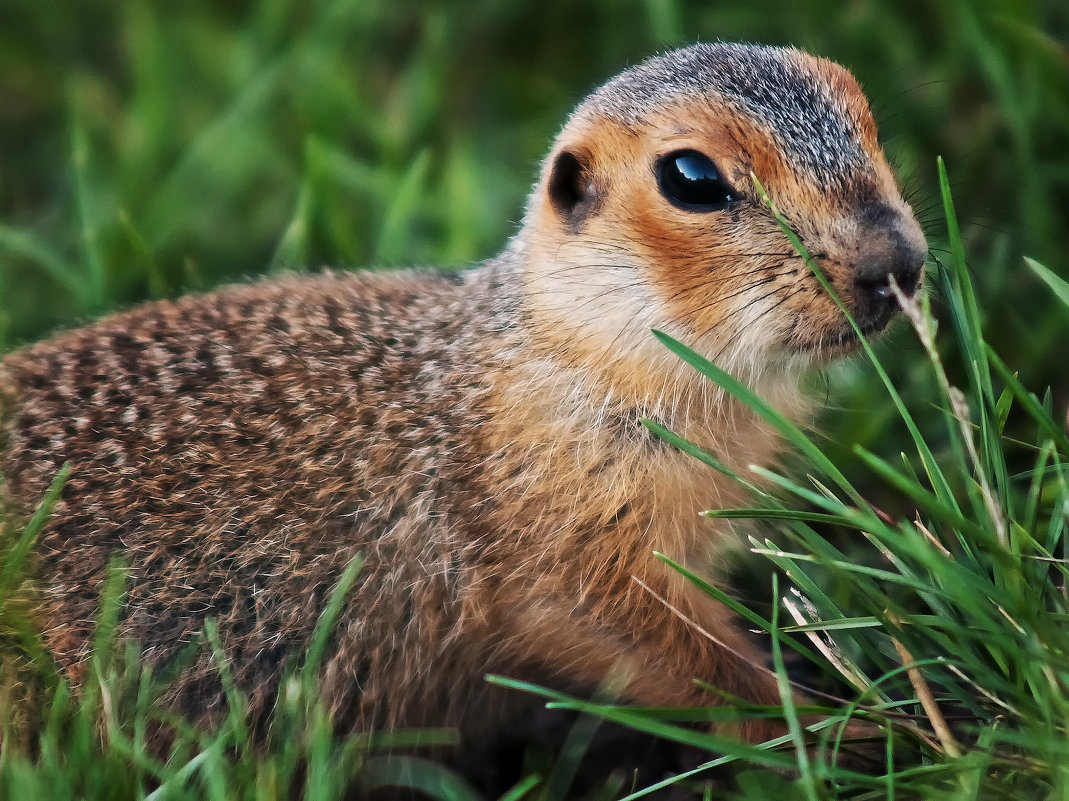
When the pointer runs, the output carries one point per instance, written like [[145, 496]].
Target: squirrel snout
[[892, 247]]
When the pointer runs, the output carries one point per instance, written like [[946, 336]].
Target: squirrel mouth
[[867, 328], [843, 339]]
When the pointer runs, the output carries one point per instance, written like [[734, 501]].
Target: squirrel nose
[[891, 249]]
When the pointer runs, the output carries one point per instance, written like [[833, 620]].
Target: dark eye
[[691, 181]]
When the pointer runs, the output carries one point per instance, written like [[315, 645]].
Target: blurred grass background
[[149, 149]]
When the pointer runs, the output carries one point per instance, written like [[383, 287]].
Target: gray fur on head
[[812, 123]]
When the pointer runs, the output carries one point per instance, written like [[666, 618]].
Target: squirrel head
[[647, 216]]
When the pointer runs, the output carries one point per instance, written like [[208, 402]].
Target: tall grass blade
[[12, 569], [329, 617], [1058, 285]]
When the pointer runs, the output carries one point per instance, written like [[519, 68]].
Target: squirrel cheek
[[723, 289]]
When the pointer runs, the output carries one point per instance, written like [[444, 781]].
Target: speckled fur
[[476, 437]]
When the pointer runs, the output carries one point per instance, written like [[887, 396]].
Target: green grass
[[151, 149]]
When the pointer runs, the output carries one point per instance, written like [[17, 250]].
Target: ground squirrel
[[475, 436]]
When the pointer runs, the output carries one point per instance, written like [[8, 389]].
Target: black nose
[[875, 270], [888, 250]]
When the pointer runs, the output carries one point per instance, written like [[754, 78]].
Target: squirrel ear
[[571, 187]]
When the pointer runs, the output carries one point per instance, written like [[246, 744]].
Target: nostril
[[902, 262], [882, 292], [874, 290], [875, 283], [908, 276], [872, 283]]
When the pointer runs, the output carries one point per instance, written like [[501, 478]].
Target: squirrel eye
[[691, 181]]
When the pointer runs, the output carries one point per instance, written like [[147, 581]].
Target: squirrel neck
[[579, 407]]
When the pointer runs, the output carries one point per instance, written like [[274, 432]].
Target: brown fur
[[476, 437]]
